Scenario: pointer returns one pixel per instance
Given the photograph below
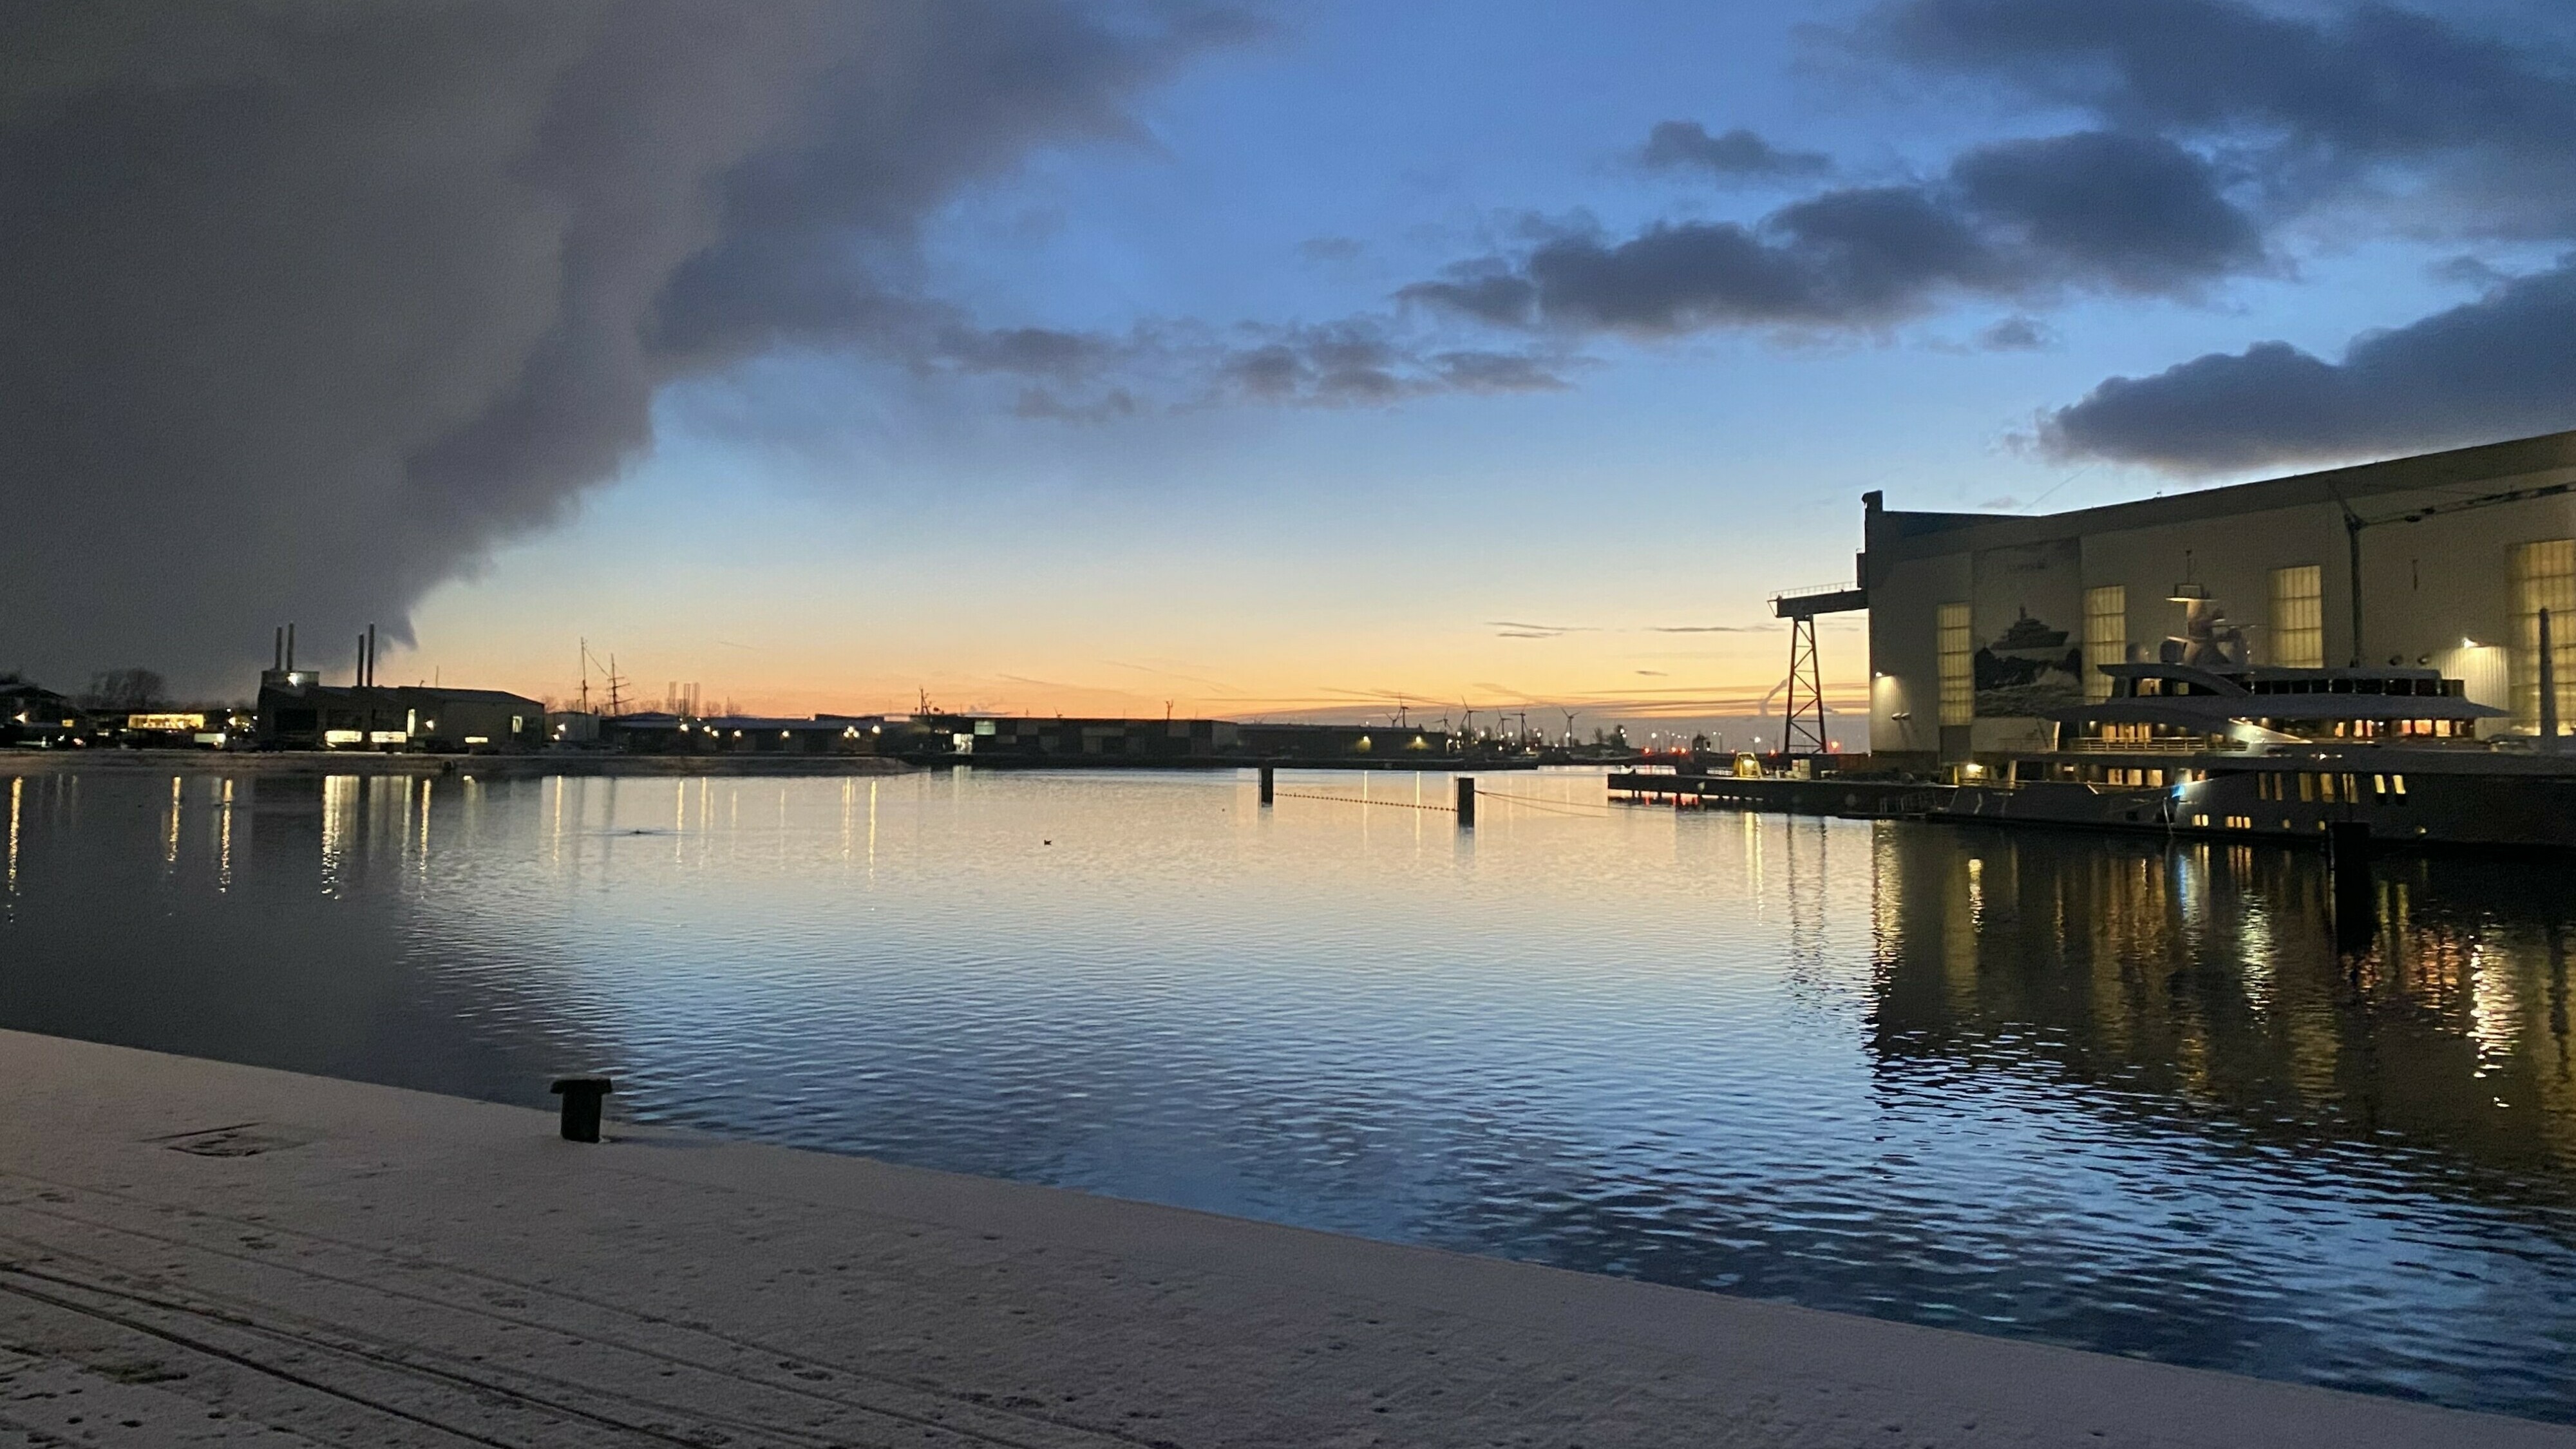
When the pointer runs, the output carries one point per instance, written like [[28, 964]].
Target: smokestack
[[290, 648], [2548, 686], [371, 655]]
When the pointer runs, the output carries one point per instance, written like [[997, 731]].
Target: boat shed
[[1985, 628]]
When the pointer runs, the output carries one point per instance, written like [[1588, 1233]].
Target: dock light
[[782, 734]]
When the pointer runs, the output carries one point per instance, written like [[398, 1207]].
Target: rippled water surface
[[2098, 1092]]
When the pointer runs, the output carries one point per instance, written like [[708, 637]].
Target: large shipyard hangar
[[1981, 624]]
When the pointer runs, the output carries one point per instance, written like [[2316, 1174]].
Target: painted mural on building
[[2028, 608]]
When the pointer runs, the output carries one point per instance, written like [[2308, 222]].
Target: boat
[[2231, 750]]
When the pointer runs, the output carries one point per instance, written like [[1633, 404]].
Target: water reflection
[[2202, 983], [2091, 1091]]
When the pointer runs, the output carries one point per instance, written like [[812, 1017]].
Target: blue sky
[[1308, 176]]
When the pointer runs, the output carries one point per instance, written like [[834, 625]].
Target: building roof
[[2547, 458], [834, 724], [466, 696]]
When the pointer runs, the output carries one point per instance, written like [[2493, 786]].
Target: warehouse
[[1982, 624]]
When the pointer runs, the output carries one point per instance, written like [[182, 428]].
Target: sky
[[1261, 361]]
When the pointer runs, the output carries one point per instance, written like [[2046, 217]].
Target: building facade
[[1982, 624], [297, 712]]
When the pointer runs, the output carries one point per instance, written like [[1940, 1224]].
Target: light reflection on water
[[2093, 1091]]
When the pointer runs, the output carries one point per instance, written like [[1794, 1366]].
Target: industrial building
[[298, 712], [671, 734], [33, 715], [1983, 627], [1179, 741]]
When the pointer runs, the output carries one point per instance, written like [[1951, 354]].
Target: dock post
[[1466, 802], [2356, 913], [581, 1105], [2548, 686], [1268, 783]]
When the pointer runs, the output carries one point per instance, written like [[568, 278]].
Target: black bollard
[[1266, 783], [1466, 802], [581, 1106], [2356, 907]]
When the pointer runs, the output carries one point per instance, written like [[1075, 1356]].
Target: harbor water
[[2115, 1093]]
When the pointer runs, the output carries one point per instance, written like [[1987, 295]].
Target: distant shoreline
[[296, 763], [293, 763]]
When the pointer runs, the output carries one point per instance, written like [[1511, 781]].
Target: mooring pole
[[581, 1106], [2548, 686], [1466, 802], [1268, 783], [2356, 913]]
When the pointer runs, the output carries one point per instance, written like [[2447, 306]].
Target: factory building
[[298, 712], [1981, 625]]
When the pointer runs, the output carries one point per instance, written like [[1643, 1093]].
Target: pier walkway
[[195, 1253], [1826, 796]]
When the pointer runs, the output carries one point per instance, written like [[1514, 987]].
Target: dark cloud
[[2500, 367], [2320, 102], [1487, 290], [2092, 210], [2370, 79], [2014, 334], [2139, 212], [1687, 145], [1848, 258], [2405, 122], [1362, 361], [311, 304]]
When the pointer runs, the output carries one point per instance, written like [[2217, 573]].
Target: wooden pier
[[1863, 799]]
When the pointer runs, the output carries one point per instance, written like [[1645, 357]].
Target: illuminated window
[[2544, 577], [1958, 666], [2299, 617], [2106, 636]]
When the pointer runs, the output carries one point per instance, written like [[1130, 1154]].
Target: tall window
[[1958, 666], [2106, 636], [2299, 617], [2544, 577]]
